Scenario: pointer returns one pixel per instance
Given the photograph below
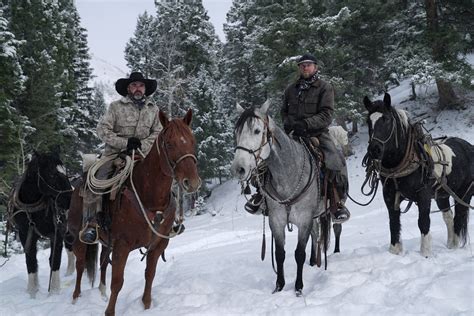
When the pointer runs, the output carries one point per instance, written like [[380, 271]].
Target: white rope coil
[[104, 186]]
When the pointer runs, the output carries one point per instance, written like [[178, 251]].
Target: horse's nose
[[375, 150], [191, 186]]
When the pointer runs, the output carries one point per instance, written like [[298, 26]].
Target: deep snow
[[214, 268]]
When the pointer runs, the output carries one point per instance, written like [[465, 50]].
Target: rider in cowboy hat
[[307, 111], [130, 123]]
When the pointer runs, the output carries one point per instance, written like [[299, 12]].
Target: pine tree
[[13, 126], [179, 49]]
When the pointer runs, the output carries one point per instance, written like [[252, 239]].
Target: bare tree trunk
[[355, 127], [413, 91], [341, 121], [447, 96]]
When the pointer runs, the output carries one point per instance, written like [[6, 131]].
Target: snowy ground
[[214, 268]]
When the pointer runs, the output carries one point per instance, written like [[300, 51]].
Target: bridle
[[267, 138], [170, 163], [386, 140]]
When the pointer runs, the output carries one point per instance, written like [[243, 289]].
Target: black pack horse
[[37, 209], [418, 170]]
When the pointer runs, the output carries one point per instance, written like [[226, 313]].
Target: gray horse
[[291, 185]]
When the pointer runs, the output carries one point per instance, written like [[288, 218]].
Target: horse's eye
[[257, 131]]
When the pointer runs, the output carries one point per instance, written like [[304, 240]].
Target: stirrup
[[86, 230], [341, 215], [177, 230], [253, 204]]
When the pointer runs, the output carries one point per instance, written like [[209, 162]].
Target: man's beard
[[138, 96]]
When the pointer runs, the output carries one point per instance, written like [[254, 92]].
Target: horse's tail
[[325, 235], [91, 262]]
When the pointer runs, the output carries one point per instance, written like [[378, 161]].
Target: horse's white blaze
[[440, 161], [61, 169], [425, 245], [55, 282], [374, 117], [33, 284], [183, 140]]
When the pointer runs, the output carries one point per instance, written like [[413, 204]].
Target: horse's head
[[252, 133], [386, 124], [51, 177], [177, 145]]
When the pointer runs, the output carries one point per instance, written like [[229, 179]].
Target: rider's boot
[[91, 208], [340, 188], [89, 234]]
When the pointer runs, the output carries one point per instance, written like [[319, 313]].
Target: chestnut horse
[[172, 157]]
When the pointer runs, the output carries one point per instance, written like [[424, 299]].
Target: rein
[[294, 196], [172, 166]]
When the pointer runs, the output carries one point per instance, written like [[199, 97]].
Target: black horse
[[414, 167], [37, 209]]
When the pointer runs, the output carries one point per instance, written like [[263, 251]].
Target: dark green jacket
[[315, 106]]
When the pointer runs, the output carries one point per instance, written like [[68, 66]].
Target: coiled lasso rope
[[104, 186], [98, 186]]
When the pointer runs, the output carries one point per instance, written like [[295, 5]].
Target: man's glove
[[133, 143], [300, 128]]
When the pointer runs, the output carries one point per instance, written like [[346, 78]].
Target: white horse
[[291, 185]]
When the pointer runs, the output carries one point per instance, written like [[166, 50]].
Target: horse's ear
[[163, 118], [264, 108], [188, 117], [239, 108], [368, 104], [386, 100]]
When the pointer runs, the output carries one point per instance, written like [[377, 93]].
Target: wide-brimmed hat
[[122, 84], [307, 58]]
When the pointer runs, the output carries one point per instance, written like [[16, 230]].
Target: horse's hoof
[[396, 249], [277, 289], [299, 293]]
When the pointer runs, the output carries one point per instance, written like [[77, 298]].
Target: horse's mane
[[403, 117], [248, 113]]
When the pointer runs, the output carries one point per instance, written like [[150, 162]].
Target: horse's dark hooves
[[299, 293], [277, 289]]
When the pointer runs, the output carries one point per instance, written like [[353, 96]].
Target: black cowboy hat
[[307, 58], [122, 84]]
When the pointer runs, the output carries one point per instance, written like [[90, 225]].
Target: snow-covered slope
[[214, 267], [105, 76]]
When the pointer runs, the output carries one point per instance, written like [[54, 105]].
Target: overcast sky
[[111, 23]]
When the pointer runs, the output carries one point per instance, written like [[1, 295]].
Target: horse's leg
[[104, 262], [151, 261], [119, 259], [443, 204], [70, 254], [314, 243], [461, 219], [337, 233], [29, 246], [424, 206], [55, 263], [279, 236], [79, 249], [394, 218], [300, 257]]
